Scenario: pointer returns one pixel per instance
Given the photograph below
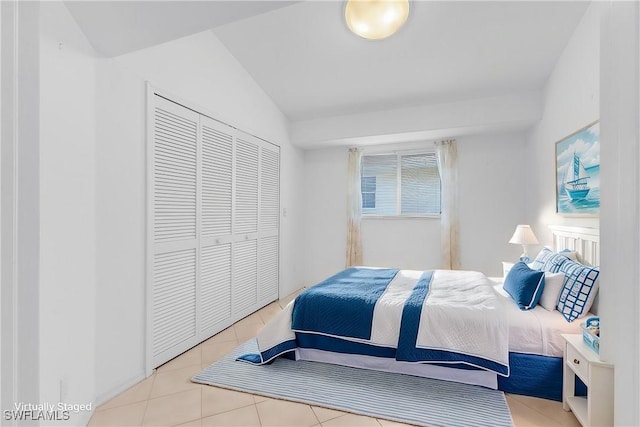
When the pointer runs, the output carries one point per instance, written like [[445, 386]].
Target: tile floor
[[169, 398]]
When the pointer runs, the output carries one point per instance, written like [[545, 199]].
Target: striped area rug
[[396, 397]]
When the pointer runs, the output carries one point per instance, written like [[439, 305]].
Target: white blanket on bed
[[475, 319]]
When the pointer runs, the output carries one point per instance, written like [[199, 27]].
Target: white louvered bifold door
[[245, 227], [245, 277], [215, 296], [269, 215], [173, 248], [246, 202], [217, 178], [212, 232], [216, 237]]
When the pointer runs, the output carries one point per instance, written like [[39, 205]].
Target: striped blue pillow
[[549, 261], [579, 290]]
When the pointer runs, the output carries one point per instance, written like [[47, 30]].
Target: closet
[[212, 227]]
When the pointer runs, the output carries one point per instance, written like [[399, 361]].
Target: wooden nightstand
[[596, 409]]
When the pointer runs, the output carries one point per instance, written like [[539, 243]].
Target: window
[[400, 184], [368, 189]]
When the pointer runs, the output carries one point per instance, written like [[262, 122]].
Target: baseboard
[[110, 394]]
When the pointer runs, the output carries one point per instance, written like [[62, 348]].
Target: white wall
[[8, 383], [325, 213], [491, 205], [120, 224], [198, 70], [412, 243], [20, 142], [597, 77], [571, 100], [492, 199], [67, 211], [620, 213]]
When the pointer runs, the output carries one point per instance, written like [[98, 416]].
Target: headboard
[[585, 241]]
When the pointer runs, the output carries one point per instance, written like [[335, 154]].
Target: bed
[[374, 318]]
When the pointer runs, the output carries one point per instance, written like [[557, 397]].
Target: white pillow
[[572, 255], [553, 283]]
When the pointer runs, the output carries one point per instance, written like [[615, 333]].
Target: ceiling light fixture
[[376, 19]]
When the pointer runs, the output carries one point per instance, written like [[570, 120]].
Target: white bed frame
[[584, 241]]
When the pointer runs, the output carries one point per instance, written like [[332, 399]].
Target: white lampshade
[[376, 19], [524, 236]]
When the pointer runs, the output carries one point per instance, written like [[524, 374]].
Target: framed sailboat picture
[[578, 172]]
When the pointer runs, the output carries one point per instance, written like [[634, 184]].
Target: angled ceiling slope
[[118, 27], [320, 75], [312, 66]]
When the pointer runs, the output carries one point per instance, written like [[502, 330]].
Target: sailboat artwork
[[578, 172], [575, 179]]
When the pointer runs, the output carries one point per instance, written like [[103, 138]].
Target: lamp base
[[525, 256]]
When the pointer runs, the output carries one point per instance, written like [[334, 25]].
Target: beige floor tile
[[549, 408], [268, 312], [212, 352], [259, 398], [211, 342], [247, 330], [286, 300], [282, 413], [188, 358], [174, 381], [252, 319], [326, 414], [226, 335], [351, 420], [525, 416], [174, 409], [217, 400], [243, 417], [127, 415], [138, 393], [194, 423]]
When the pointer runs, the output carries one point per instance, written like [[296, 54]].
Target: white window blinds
[[400, 184]]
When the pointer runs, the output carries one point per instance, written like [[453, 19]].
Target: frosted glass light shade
[[376, 19]]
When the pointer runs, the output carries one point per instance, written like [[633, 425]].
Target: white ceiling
[[122, 26], [307, 61]]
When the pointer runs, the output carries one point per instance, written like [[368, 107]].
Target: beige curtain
[[447, 155], [354, 209]]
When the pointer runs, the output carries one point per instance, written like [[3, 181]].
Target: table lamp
[[524, 236]]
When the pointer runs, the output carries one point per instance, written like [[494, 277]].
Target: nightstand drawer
[[578, 364]]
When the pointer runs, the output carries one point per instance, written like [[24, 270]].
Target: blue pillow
[[579, 290], [524, 285], [549, 261]]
